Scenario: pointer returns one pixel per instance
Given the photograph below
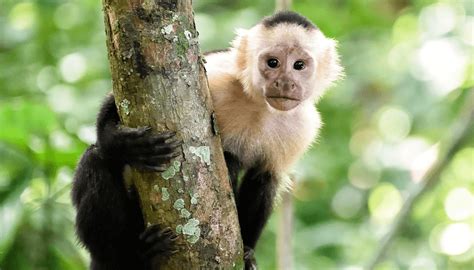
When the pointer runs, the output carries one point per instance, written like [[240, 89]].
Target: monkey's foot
[[249, 259], [157, 242]]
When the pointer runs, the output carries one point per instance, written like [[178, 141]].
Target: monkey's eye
[[273, 63], [299, 65]]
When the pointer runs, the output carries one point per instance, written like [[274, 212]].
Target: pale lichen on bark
[[159, 81]]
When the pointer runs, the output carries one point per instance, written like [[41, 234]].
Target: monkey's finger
[[174, 143], [147, 135], [164, 158], [173, 140], [156, 139], [146, 144], [167, 231], [156, 159], [149, 230], [167, 148], [127, 132], [143, 129], [160, 237], [156, 230], [152, 149], [174, 238]]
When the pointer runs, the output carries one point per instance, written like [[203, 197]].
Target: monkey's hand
[[249, 259], [140, 147], [157, 243]]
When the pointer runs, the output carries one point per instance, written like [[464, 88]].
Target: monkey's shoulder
[[220, 62]]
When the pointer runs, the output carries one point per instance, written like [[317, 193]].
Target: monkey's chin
[[282, 103]]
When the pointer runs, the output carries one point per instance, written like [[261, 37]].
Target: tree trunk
[[159, 81], [283, 5]]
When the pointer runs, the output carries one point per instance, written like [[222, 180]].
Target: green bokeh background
[[408, 67]]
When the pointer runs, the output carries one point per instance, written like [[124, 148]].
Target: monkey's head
[[286, 60]]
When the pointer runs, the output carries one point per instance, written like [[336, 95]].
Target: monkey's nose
[[284, 85]]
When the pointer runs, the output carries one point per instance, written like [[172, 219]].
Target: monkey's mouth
[[283, 97], [283, 103]]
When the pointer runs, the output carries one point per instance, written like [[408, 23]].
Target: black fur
[[288, 17], [109, 221]]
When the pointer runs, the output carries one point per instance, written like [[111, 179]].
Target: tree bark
[[159, 81]]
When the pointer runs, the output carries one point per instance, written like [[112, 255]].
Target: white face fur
[[286, 65]]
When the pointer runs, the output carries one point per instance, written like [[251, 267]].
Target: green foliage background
[[409, 68]]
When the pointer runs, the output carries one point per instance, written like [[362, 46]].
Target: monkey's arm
[[109, 220]]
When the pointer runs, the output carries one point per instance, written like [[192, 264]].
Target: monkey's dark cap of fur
[[288, 17]]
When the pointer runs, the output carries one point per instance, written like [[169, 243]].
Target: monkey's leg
[[254, 205]]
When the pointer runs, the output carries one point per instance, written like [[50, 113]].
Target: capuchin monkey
[[263, 89]]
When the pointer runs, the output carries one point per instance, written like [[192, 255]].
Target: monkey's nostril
[[276, 84]]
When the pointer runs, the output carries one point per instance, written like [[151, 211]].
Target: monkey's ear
[[328, 68], [240, 34], [240, 43]]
